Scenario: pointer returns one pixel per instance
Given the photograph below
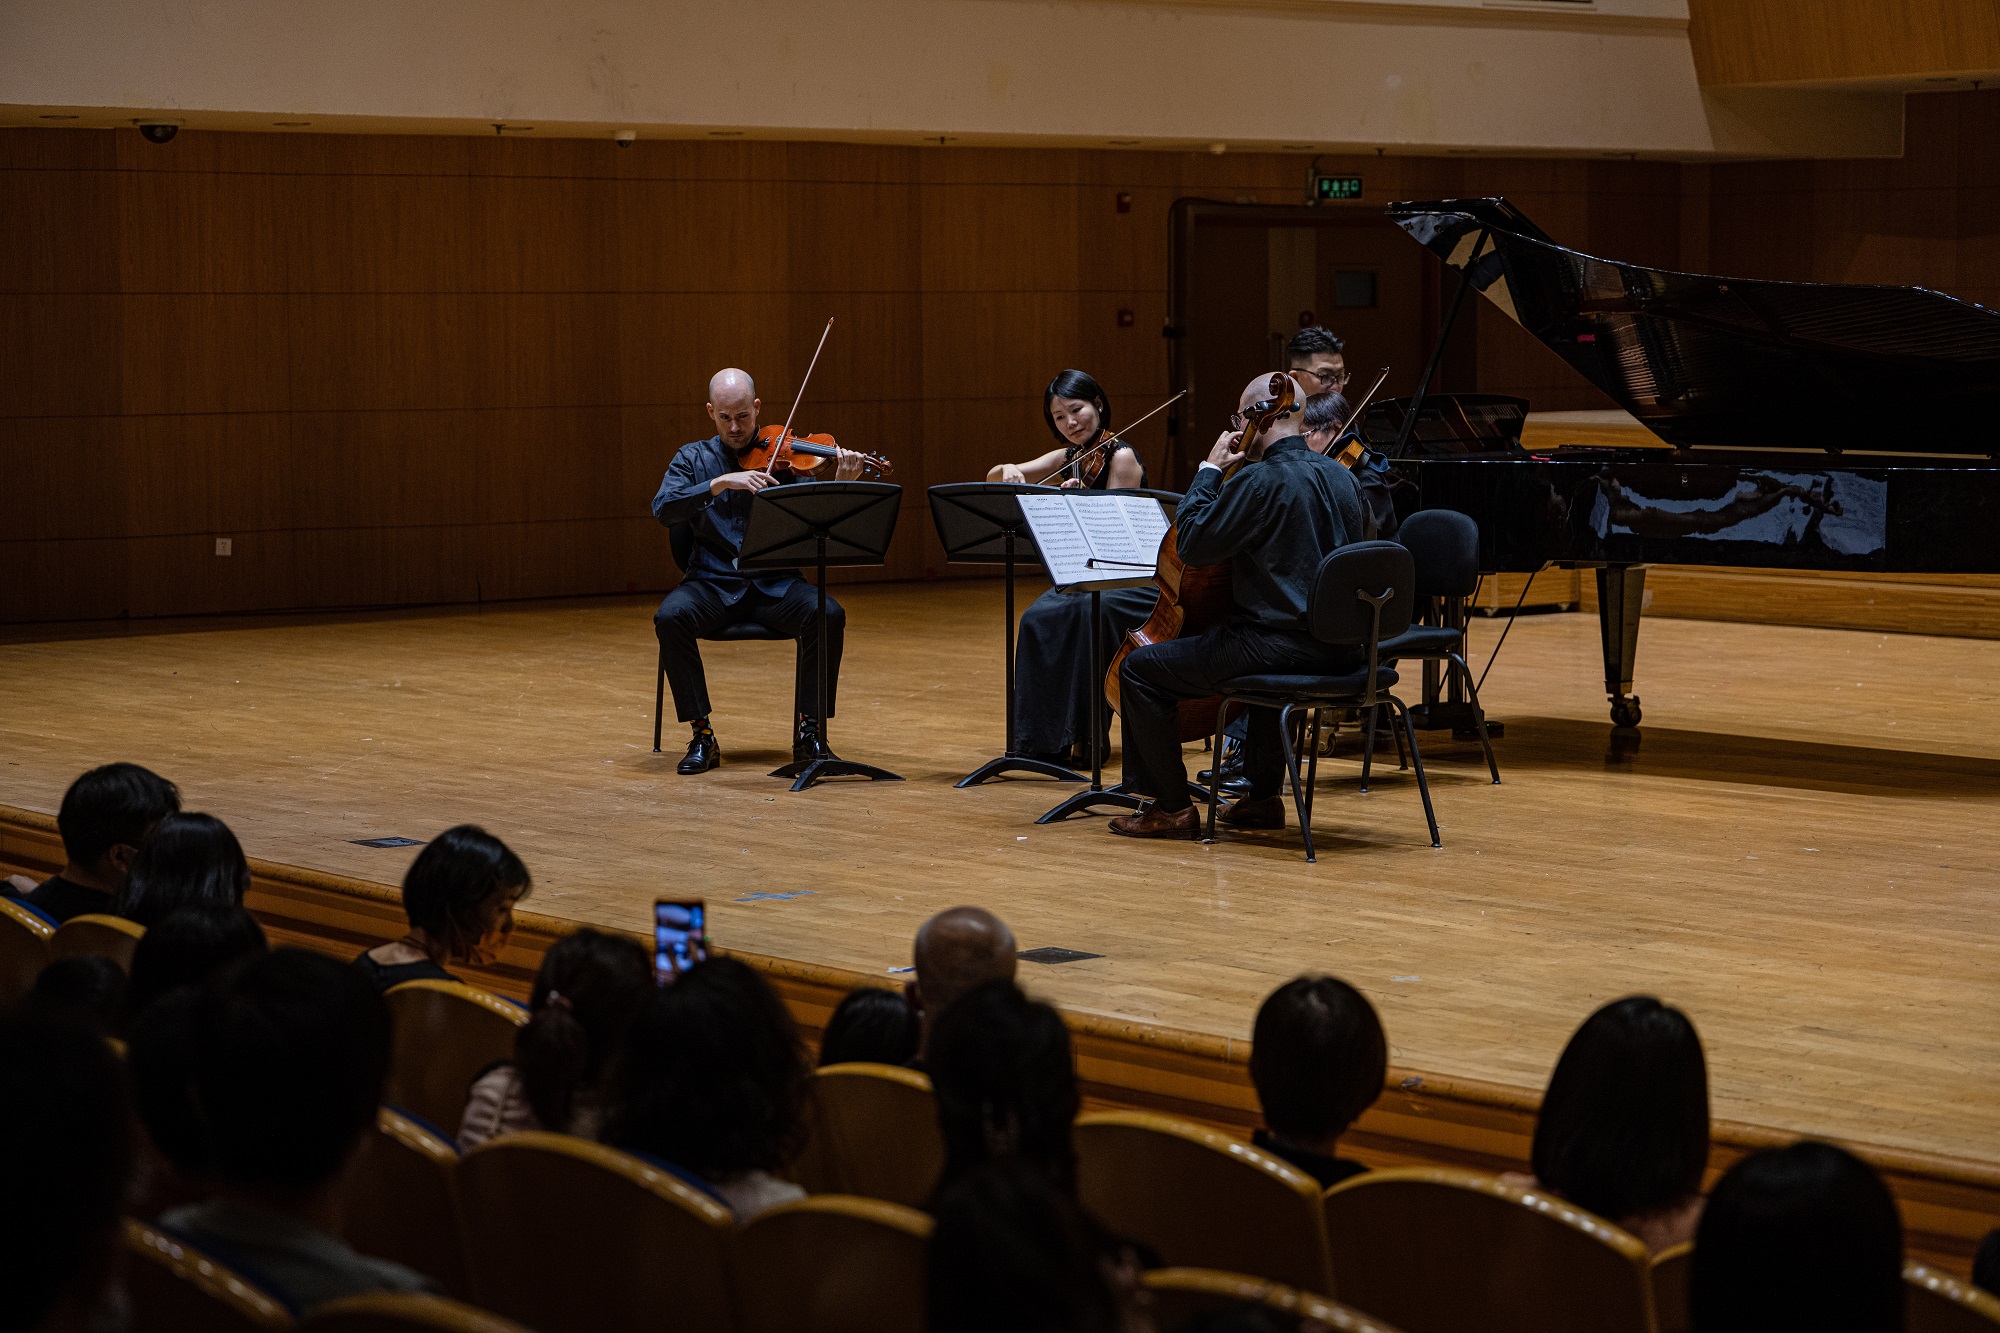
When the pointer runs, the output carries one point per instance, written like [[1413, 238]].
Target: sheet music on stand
[[1096, 541]]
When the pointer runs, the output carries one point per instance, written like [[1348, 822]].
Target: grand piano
[[1813, 426]]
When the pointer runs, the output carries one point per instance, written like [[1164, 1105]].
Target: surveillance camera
[[626, 138], [159, 133]]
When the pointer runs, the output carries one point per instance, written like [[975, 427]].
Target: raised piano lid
[[1738, 363]]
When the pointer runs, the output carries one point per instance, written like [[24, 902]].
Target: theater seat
[[1201, 1199], [24, 948], [404, 1312], [110, 937], [834, 1263], [569, 1236], [401, 1201], [872, 1131], [1434, 1250], [1935, 1302], [173, 1285], [446, 1032], [1181, 1294], [1671, 1268]]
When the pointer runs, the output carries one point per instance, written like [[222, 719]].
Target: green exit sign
[[1336, 187]]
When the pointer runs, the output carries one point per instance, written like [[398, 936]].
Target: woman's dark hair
[[159, 1058], [189, 860], [1317, 1057], [89, 989], [454, 878], [871, 1024], [1326, 411], [590, 988], [117, 803], [1798, 1237], [1623, 1128], [1076, 384], [1012, 1252], [187, 948], [712, 1077], [1005, 1085]]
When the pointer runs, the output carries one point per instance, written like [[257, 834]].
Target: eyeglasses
[[1332, 379]]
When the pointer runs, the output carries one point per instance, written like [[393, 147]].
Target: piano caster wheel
[[1625, 711]]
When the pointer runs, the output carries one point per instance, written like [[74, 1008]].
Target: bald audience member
[[705, 500], [957, 950]]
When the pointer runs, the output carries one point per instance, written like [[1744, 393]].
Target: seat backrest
[[1672, 1267], [570, 1236], [95, 933], [174, 1285], [1335, 611], [1201, 1199], [404, 1312], [24, 949], [833, 1263], [445, 1033], [871, 1130], [1181, 1294], [400, 1200], [1935, 1302], [1444, 544], [1433, 1250]]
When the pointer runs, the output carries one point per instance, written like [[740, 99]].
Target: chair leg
[[1292, 768], [1215, 770], [1368, 743], [1478, 715], [1417, 760], [1312, 767], [1402, 758], [659, 699]]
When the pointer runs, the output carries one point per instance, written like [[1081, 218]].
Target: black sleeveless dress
[[1054, 677]]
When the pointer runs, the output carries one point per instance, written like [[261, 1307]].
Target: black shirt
[[385, 975], [1328, 1171], [1283, 515], [717, 521], [61, 899]]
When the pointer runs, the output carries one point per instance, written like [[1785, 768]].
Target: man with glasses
[[1317, 360]]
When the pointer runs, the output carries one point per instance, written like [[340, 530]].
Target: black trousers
[[1154, 680], [697, 608]]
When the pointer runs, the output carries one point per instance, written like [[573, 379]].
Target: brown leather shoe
[[1152, 822], [1254, 812]]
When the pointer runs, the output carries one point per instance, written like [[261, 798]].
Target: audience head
[[290, 1052], [461, 890], [956, 950], [591, 986], [159, 1059], [1005, 1085], [1800, 1237], [188, 947], [106, 815], [1986, 1264], [871, 1024], [1623, 1128], [712, 1076], [64, 1174], [191, 860], [1318, 1057], [89, 990]]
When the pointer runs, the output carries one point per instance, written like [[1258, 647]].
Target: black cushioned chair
[[1362, 595], [680, 540], [1445, 545]]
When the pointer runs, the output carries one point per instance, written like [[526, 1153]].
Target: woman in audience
[[1005, 1084], [187, 948], [591, 986], [712, 1083], [1623, 1129], [871, 1024], [1805, 1237], [189, 860], [1317, 1057], [459, 896]]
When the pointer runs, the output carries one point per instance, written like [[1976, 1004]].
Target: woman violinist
[[1054, 676]]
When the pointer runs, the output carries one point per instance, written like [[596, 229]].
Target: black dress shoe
[[703, 754], [808, 744]]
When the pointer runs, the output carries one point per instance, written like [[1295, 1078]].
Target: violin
[[1349, 446], [776, 447]]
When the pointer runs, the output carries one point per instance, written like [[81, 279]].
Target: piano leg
[[1621, 591]]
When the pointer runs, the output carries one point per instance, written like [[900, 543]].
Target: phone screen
[[680, 937]]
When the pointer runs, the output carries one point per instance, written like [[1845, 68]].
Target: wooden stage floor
[[1800, 851]]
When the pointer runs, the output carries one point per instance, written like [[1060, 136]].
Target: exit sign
[[1336, 187]]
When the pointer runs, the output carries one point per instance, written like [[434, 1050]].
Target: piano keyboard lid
[[1737, 363]]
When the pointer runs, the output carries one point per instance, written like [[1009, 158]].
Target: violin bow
[[1355, 415], [1112, 439], [797, 398]]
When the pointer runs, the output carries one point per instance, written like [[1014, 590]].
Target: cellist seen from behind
[[1277, 518]]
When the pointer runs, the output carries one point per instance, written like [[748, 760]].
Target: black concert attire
[[1054, 676], [714, 593], [1276, 522]]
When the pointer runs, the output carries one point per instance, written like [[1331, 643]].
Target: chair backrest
[[1935, 1302], [445, 1033], [1201, 1199], [404, 1312], [1337, 613], [174, 1285], [24, 949], [401, 1200], [110, 937], [872, 1131], [569, 1236], [1433, 1250], [1672, 1267], [1444, 544], [833, 1263], [1180, 1294]]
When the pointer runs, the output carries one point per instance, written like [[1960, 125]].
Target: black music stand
[[830, 523], [1096, 793], [979, 523]]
